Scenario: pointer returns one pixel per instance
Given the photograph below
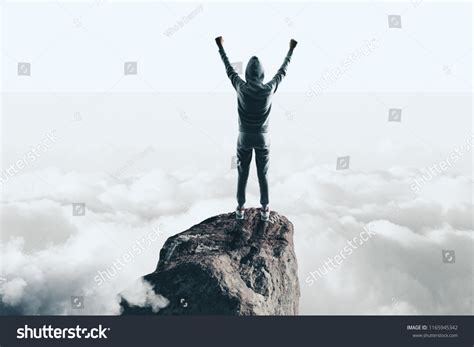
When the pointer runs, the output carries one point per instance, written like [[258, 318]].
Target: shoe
[[265, 213], [239, 212]]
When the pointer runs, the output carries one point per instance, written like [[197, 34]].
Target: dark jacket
[[254, 98]]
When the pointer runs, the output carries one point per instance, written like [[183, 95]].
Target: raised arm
[[275, 81], [233, 75]]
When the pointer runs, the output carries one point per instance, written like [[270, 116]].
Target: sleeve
[[233, 75], [275, 81]]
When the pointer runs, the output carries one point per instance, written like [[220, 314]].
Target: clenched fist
[[293, 43], [219, 41]]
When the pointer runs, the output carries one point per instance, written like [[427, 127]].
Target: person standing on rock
[[254, 99]]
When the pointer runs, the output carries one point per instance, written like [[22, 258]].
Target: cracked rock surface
[[229, 267]]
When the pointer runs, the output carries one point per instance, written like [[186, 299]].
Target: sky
[[82, 47], [150, 154]]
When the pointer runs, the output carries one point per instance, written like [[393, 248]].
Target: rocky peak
[[225, 266]]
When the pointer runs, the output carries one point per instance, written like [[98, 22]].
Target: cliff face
[[225, 266]]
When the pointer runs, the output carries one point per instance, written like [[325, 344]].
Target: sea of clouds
[[48, 255]]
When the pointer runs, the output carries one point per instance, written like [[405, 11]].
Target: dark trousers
[[246, 143]]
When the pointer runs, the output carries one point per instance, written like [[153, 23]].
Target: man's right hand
[[293, 44], [219, 41]]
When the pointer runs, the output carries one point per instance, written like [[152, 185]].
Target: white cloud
[[48, 255], [12, 291], [141, 294]]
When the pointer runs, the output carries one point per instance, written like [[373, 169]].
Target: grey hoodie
[[254, 98]]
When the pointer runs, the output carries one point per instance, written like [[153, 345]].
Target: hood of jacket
[[254, 71]]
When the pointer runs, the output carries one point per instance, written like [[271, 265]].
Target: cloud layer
[[48, 255]]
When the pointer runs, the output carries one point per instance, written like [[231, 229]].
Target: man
[[254, 99]]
